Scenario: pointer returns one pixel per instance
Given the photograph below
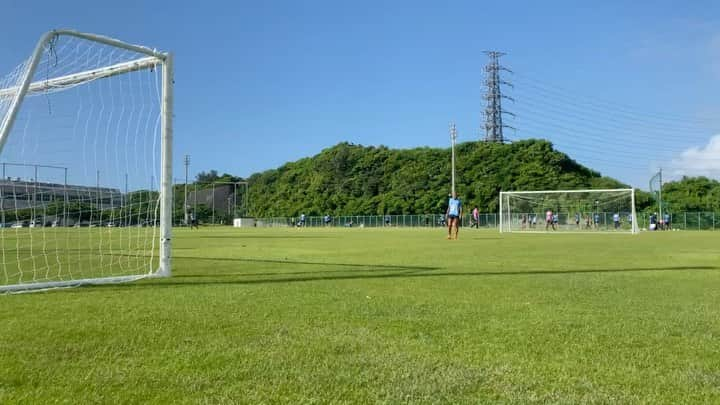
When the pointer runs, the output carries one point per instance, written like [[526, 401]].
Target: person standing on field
[[549, 220], [193, 221], [453, 214], [476, 217]]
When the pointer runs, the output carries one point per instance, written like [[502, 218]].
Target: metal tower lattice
[[494, 111]]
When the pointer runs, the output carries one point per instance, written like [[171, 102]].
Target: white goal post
[[86, 124], [580, 211]]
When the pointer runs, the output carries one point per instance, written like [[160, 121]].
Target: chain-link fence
[[675, 221], [376, 221], [706, 221]]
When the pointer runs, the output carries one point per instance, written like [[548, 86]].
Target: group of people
[[552, 220], [664, 224], [327, 221]]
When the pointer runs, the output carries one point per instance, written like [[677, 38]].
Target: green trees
[[692, 194], [370, 180], [354, 179]]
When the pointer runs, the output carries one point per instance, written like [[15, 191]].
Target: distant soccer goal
[[86, 157], [611, 210]]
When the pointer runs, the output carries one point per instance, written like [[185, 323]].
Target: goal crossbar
[[82, 77], [606, 190]]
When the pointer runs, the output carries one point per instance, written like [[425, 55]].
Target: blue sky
[[623, 87]]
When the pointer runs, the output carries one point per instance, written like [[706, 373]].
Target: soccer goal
[[86, 160], [611, 210]]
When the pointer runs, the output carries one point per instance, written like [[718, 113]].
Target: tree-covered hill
[[692, 194], [366, 180]]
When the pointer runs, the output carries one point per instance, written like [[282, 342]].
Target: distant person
[[596, 219], [387, 220], [453, 214], [577, 220], [327, 220], [302, 220], [588, 221], [523, 222], [549, 220], [616, 220], [476, 217], [533, 223], [653, 221], [666, 219], [193, 221], [556, 220]]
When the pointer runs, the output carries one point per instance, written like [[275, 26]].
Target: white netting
[[568, 211], [79, 192]]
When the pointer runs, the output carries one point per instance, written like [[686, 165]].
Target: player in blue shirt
[[453, 214], [653, 221], [616, 220], [193, 221]]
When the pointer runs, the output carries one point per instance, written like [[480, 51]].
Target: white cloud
[[696, 161]]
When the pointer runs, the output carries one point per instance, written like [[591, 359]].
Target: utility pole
[[494, 112], [185, 202], [125, 203], [453, 137], [97, 189], [657, 189], [660, 204]]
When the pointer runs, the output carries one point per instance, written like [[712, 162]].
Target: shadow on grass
[[260, 237], [297, 262], [189, 280]]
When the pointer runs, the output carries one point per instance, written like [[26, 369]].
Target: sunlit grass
[[382, 315]]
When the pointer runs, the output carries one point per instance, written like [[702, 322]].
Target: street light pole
[[185, 203], [453, 137]]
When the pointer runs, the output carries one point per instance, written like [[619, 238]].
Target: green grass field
[[382, 316]]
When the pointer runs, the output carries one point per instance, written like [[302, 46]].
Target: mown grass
[[382, 316]]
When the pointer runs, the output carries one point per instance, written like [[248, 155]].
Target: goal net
[[85, 154], [568, 211], [218, 202]]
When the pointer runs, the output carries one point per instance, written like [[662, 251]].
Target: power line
[[608, 117], [612, 105]]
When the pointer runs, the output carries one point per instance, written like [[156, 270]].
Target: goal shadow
[[371, 272]]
